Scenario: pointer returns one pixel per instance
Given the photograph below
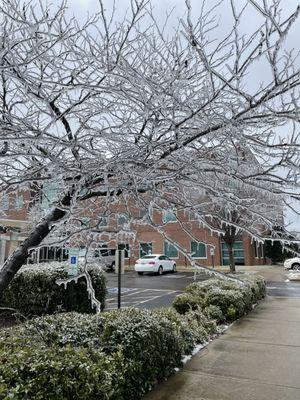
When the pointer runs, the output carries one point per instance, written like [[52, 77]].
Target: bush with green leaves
[[126, 351], [64, 373], [222, 300], [215, 313], [182, 326], [186, 302], [202, 320], [117, 355], [226, 299], [74, 329], [147, 340], [34, 290], [257, 284]]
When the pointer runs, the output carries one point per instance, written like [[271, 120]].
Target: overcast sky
[[251, 19], [81, 8]]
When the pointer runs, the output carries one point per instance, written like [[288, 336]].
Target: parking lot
[[147, 291]]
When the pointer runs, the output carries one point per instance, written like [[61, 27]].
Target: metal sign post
[[212, 253], [119, 270], [73, 271]]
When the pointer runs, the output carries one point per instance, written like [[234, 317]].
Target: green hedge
[[34, 291], [151, 344], [222, 300], [117, 355], [47, 373]]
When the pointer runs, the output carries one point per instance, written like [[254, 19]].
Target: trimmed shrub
[[72, 328], [40, 373], [186, 302], [148, 341], [34, 291], [222, 300], [202, 320], [258, 286], [117, 355], [125, 352], [214, 313], [181, 325], [196, 290], [226, 299]]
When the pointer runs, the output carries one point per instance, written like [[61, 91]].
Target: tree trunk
[[35, 237], [231, 257]]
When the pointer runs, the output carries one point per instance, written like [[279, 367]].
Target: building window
[[50, 194], [85, 221], [4, 202], [49, 253], [258, 250], [169, 216], [255, 250], [126, 249], [198, 250], [19, 202], [103, 221], [262, 254], [194, 216], [170, 250], [122, 219], [238, 252], [146, 214], [145, 249]]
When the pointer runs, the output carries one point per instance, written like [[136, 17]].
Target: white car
[[158, 263], [292, 263]]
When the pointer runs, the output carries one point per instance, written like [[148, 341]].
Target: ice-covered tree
[[109, 111]]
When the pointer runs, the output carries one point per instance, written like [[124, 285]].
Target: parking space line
[[127, 295], [138, 297]]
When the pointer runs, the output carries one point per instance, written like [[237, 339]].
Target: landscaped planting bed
[[115, 355], [34, 290], [222, 300]]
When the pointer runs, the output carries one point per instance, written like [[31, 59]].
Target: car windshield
[[149, 256]]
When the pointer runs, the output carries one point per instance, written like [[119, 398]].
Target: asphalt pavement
[[147, 291], [153, 291]]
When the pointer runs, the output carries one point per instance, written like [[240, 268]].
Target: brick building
[[190, 236]]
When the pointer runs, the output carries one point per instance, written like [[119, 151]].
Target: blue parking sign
[[73, 262]]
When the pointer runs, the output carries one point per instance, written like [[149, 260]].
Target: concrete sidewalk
[[258, 358]]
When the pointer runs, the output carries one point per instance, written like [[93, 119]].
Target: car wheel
[[160, 270], [174, 268], [141, 273], [296, 267]]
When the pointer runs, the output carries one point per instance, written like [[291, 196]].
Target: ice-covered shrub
[[125, 352], [226, 299], [186, 302], [116, 355], [75, 329], [222, 299], [64, 373], [149, 342], [257, 285], [214, 313], [196, 290], [34, 290], [181, 325], [202, 320]]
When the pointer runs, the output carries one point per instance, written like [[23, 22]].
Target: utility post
[[120, 256]]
